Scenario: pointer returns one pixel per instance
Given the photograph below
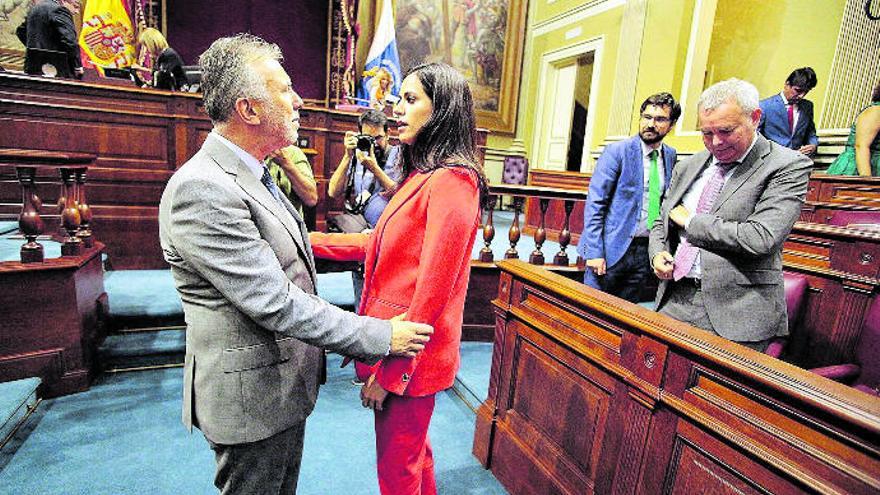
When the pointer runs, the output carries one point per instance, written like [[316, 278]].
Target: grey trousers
[[685, 303], [263, 467]]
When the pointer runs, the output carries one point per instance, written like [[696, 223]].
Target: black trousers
[[627, 278]]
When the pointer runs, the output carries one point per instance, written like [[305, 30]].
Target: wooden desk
[[52, 320], [591, 394]]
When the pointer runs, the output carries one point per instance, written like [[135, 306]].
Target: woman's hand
[[372, 394]]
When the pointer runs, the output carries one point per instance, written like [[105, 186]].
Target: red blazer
[[417, 261]]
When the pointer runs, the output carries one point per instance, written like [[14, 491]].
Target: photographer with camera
[[366, 174]]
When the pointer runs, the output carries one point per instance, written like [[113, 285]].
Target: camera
[[365, 142]]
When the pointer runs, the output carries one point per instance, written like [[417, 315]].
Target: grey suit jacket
[[741, 238], [244, 269]]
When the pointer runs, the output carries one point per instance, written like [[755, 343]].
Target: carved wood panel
[[678, 410]]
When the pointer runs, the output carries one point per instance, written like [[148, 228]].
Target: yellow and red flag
[[107, 37]]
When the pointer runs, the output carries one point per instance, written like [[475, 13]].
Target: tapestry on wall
[[12, 14]]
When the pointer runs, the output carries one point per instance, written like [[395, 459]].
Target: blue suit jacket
[[774, 123], [614, 201]]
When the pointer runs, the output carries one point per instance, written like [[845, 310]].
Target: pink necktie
[[791, 118], [686, 253]]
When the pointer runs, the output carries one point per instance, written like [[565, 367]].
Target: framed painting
[[483, 39]]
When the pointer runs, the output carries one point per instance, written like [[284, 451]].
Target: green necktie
[[653, 190]]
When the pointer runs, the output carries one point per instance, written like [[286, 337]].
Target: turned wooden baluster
[[537, 257], [488, 233], [561, 257], [29, 221], [514, 233], [85, 212], [70, 214]]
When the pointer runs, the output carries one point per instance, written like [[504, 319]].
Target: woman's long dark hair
[[448, 138]]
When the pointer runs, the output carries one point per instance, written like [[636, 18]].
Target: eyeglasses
[[657, 119]]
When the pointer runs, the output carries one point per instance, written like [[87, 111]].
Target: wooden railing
[[53, 307], [73, 209], [543, 196]]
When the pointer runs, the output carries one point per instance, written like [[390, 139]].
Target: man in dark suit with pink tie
[[787, 118]]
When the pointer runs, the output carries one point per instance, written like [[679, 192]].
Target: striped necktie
[[686, 254]]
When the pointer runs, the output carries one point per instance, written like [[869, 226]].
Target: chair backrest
[[795, 297], [847, 217], [868, 347], [44, 62], [516, 170], [193, 74]]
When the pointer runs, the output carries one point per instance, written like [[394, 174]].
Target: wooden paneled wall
[[591, 394], [139, 138]]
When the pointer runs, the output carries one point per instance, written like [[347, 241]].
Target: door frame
[[549, 67]]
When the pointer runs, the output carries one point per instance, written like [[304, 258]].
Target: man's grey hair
[[228, 74], [743, 93]]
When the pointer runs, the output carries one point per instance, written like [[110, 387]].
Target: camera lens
[[365, 142]]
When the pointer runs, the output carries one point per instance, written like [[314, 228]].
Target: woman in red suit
[[417, 261]]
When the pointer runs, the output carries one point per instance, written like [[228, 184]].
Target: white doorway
[[564, 118]]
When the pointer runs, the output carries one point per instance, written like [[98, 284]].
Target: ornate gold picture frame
[[481, 38]]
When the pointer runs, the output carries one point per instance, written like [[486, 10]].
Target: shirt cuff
[[687, 221]]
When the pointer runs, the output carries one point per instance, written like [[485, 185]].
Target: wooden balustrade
[[53, 308], [544, 195], [592, 394], [33, 166], [479, 321]]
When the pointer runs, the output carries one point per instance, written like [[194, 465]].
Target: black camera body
[[365, 142]]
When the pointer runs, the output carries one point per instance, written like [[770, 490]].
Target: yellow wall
[[605, 25], [757, 40], [584, 79], [663, 55], [763, 41]]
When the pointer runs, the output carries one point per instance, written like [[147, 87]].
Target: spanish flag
[[107, 37]]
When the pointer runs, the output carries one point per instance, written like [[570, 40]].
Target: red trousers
[[405, 463]]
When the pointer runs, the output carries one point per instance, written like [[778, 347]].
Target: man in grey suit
[[726, 214], [243, 266]]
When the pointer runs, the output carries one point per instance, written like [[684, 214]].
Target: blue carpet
[[473, 375], [142, 293], [152, 294], [8, 227], [16, 399], [124, 437], [336, 289], [10, 248]]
